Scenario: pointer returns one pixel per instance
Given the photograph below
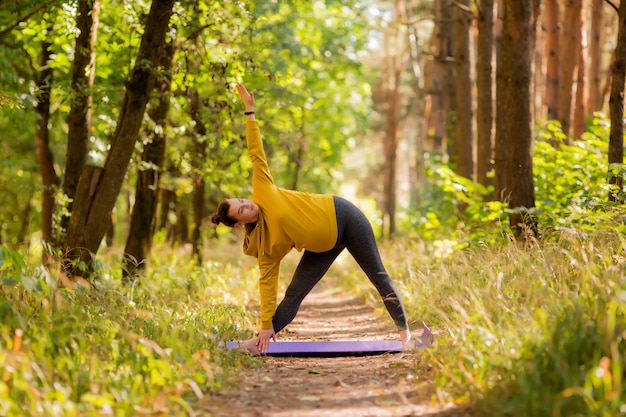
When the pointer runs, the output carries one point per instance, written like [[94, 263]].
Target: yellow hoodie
[[287, 219]]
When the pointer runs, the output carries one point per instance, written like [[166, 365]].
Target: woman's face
[[245, 211]]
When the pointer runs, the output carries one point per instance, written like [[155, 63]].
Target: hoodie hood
[[252, 242]]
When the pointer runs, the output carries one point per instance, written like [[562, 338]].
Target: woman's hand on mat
[[405, 336], [263, 339]]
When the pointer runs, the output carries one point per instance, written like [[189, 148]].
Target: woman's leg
[[310, 270], [358, 237]]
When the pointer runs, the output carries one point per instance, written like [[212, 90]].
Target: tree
[[79, 117], [552, 28], [484, 89], [579, 117], [569, 46], [616, 109], [387, 96], [98, 189], [464, 103], [596, 41], [500, 145], [517, 58], [435, 80], [45, 157], [143, 215]]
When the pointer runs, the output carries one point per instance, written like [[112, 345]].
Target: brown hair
[[221, 216]]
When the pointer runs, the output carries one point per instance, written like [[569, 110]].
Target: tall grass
[[117, 350], [521, 332]]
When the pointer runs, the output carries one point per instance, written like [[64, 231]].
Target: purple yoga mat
[[330, 348]]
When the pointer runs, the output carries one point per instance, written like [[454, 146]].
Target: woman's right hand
[[246, 97]]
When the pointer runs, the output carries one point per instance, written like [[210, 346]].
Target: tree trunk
[[416, 175], [553, 33], [500, 142], [579, 122], [517, 55], [446, 55], [89, 222], [143, 217], [439, 77], [167, 204], [484, 87], [616, 109], [387, 97], [596, 47], [79, 117], [199, 142], [45, 158], [568, 62], [464, 131]]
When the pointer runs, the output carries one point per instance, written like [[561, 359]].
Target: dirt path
[[379, 385]]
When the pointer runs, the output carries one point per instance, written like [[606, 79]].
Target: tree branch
[[466, 9], [3, 32], [612, 5]]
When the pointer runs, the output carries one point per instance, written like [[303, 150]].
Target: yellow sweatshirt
[[287, 219]]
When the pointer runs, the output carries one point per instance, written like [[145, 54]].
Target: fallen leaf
[[315, 372], [309, 398], [340, 383], [399, 364], [267, 379], [387, 403]]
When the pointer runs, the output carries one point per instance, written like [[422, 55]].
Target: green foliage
[[75, 351], [454, 206], [571, 192], [571, 180]]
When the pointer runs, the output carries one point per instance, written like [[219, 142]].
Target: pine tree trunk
[[568, 62], [464, 131], [500, 140], [596, 42], [579, 121], [439, 91], [616, 108], [517, 55], [484, 87], [446, 56], [553, 36]]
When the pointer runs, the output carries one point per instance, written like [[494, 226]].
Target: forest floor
[[352, 386]]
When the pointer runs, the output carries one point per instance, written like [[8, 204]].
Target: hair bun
[[216, 219]]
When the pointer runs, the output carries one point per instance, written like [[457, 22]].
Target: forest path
[[362, 386]]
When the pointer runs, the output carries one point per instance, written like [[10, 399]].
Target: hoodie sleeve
[[268, 289], [260, 169]]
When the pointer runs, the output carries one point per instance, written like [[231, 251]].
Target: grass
[[520, 332], [113, 350], [535, 332]]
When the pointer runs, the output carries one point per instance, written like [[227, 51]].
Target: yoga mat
[[332, 348]]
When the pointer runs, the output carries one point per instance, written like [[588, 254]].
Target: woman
[[277, 220]]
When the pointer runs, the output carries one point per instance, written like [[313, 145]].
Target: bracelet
[[248, 113]]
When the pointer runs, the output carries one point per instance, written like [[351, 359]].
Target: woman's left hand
[[246, 97], [263, 339]]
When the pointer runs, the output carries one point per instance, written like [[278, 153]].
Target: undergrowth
[[110, 349]]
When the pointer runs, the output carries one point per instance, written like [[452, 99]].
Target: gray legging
[[355, 233]]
